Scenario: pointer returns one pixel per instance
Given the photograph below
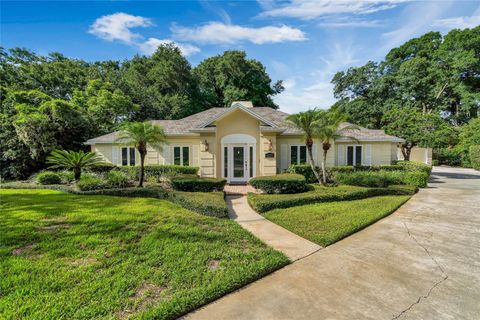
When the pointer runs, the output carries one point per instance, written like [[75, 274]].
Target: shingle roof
[[276, 122]]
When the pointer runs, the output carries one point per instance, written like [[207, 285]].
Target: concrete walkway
[[422, 262], [293, 246]]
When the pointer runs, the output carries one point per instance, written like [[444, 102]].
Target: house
[[243, 141]]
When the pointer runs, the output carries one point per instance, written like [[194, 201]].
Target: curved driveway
[[422, 262]]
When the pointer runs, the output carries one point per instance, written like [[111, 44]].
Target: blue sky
[[301, 42]]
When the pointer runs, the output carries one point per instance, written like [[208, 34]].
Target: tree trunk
[[142, 149], [142, 168], [324, 161], [309, 145], [77, 173], [406, 150]]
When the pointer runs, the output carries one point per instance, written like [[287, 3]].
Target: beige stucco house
[[244, 141]]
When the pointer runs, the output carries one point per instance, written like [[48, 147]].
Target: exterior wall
[[268, 143], [237, 122], [423, 155], [381, 153], [207, 158], [285, 142]]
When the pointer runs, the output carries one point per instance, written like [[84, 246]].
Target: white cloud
[[344, 23], [220, 33], [417, 19], [318, 93], [151, 45], [458, 22], [117, 27], [311, 9]]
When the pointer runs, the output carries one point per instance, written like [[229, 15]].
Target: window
[[354, 155], [128, 156], [181, 156], [298, 154]]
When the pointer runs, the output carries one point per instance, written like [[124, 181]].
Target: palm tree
[[327, 129], [307, 121], [73, 160], [141, 134]]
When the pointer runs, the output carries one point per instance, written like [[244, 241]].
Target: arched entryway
[[239, 154]]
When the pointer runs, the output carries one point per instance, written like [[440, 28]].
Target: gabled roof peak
[[245, 104]]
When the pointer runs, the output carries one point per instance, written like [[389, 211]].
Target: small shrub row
[[474, 152], [415, 166], [112, 179], [197, 184], [266, 202], [305, 170], [48, 177], [158, 171], [209, 204], [381, 179], [281, 183]]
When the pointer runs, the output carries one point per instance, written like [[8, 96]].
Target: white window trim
[[298, 153], [230, 159], [181, 154], [128, 156], [354, 154]]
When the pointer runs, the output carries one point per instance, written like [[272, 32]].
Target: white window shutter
[[115, 152], [166, 154], [283, 157], [314, 154], [368, 155], [195, 150], [341, 155]]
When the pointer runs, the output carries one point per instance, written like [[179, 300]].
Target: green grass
[[319, 194], [65, 256], [326, 223]]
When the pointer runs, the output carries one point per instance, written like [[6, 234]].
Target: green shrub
[[435, 162], [147, 192], [450, 157], [377, 179], [117, 179], [197, 184], [416, 178], [90, 182], [281, 183], [415, 166], [102, 168], [305, 170], [206, 203], [474, 152], [346, 169], [266, 202], [158, 171], [67, 176], [48, 177]]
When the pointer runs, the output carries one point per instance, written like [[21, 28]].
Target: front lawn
[[326, 223], [65, 256]]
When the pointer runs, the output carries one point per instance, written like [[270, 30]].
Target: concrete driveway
[[422, 262]]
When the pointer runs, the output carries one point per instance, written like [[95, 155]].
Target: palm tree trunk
[[312, 162], [142, 168], [324, 170], [77, 172]]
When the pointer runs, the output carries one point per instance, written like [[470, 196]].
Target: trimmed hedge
[[206, 203], [266, 202], [158, 170], [48, 177], [90, 182], [415, 166], [197, 184], [117, 179], [281, 183], [381, 179], [305, 170], [346, 169], [474, 152]]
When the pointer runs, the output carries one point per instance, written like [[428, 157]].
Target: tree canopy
[[55, 102]]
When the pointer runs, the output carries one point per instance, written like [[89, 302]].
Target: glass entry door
[[239, 163]]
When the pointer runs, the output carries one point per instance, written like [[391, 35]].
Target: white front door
[[238, 164]]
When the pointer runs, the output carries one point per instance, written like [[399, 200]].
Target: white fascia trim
[[235, 107]]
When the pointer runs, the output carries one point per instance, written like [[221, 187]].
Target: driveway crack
[[436, 284]]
